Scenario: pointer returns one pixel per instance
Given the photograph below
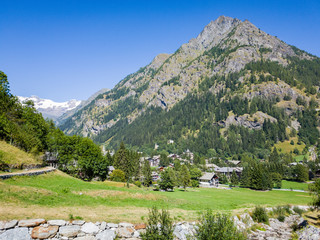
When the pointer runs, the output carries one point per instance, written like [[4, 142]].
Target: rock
[[90, 228], [78, 222], [125, 232], [16, 234], [44, 232], [57, 222], [86, 238], [69, 231], [309, 233], [103, 226], [31, 222], [8, 224], [125, 224], [140, 226], [106, 235], [136, 234], [112, 225]]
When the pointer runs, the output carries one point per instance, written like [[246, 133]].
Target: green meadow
[[57, 195]]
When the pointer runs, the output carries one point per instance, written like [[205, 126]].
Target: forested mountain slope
[[232, 89]]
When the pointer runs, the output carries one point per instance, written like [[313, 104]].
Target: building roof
[[207, 176], [228, 169]]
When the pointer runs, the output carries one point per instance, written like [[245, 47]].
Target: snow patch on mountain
[[49, 108]]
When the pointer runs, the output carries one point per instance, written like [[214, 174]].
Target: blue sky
[[70, 49]]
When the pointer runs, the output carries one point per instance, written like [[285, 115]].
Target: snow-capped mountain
[[49, 108]]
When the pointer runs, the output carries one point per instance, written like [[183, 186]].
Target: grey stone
[[124, 224], [8, 224], [16, 234], [78, 222], [69, 231], [112, 225], [136, 234], [106, 235], [31, 222], [90, 228], [86, 238], [103, 226], [57, 222]]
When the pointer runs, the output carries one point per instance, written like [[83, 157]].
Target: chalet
[[51, 159], [233, 162], [227, 171], [209, 179], [155, 176]]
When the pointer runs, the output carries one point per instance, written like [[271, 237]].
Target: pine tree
[[185, 176], [274, 156], [146, 171], [234, 179]]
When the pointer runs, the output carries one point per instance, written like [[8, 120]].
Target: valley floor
[[57, 195]]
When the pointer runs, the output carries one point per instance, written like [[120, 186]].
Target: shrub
[[138, 183], [117, 175], [292, 142], [281, 218], [159, 226], [217, 226], [298, 210], [260, 215], [194, 183]]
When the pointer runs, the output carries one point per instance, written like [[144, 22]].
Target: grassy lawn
[[294, 185], [56, 195], [286, 147]]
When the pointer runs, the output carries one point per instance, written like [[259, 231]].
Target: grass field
[[15, 157], [56, 195], [294, 185]]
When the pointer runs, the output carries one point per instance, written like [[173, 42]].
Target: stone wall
[[27, 173], [81, 230]]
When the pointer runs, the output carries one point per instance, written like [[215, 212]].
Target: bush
[[117, 175], [217, 226], [281, 218], [138, 183], [292, 142], [298, 210], [260, 215], [194, 183], [159, 226]]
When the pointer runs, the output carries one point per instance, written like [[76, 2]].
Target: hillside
[[232, 89], [16, 158]]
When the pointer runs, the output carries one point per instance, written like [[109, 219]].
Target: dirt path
[[31, 172]]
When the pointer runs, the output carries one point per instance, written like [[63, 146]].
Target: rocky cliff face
[[225, 46]]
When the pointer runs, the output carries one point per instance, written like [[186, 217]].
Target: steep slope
[[182, 95]]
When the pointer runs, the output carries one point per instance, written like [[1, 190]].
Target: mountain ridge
[[226, 53]]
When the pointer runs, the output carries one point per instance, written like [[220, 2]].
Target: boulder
[[112, 225], [57, 222], [123, 224], [106, 235], [103, 226], [7, 224], [44, 232], [31, 222], [125, 232], [86, 238], [69, 231], [90, 228], [16, 234], [140, 226], [78, 222]]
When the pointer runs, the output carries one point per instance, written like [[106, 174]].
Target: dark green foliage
[[234, 179], [259, 214], [185, 176], [217, 226], [173, 81], [159, 226], [298, 210], [281, 218], [168, 179], [301, 173], [308, 131], [314, 189]]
